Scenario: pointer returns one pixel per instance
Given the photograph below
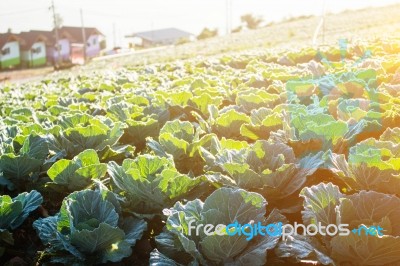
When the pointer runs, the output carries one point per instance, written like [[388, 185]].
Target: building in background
[[95, 41], [10, 55], [64, 48], [38, 48], [168, 36], [50, 44], [33, 48]]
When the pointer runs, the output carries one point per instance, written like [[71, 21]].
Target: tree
[[58, 21], [251, 21], [103, 44], [237, 29], [207, 33], [182, 41]]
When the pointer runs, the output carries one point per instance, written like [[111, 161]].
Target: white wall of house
[[36, 55], [93, 46], [133, 41], [9, 51], [38, 50], [65, 49]]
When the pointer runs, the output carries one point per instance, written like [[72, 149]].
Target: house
[[94, 39], [9, 51], [47, 41], [33, 48], [168, 36], [64, 47], [37, 47]]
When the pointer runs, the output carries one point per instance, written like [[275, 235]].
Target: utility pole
[[323, 22], [57, 63], [320, 26], [114, 35], [84, 38], [152, 29], [228, 16]]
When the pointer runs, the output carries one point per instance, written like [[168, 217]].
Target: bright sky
[[138, 15]]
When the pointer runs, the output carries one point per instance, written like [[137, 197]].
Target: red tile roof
[[75, 33], [6, 37], [30, 37]]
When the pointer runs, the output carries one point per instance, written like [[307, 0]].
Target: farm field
[[113, 167]]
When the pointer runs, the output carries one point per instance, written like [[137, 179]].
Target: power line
[[96, 13], [23, 11]]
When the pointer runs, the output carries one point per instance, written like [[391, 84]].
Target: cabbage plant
[[13, 212], [89, 229], [180, 245]]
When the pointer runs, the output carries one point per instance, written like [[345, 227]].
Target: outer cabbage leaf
[[183, 142], [18, 169], [326, 205], [13, 212], [79, 133], [265, 167], [371, 165], [228, 124], [150, 183], [77, 173], [224, 206], [261, 129], [89, 230]]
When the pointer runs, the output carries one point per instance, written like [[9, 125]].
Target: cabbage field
[[110, 167]]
